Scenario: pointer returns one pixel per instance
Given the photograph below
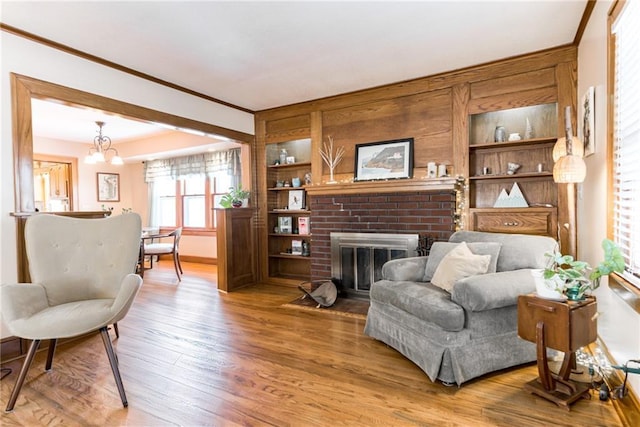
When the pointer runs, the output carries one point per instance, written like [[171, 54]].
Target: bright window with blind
[[184, 190], [188, 202], [625, 147]]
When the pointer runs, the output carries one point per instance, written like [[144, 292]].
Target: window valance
[[198, 164]]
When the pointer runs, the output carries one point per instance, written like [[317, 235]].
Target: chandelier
[[102, 150]]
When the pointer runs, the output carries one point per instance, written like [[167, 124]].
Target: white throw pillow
[[439, 249], [458, 264]]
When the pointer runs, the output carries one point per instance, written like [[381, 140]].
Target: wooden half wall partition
[[237, 251]]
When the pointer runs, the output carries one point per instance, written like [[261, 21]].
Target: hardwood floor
[[192, 356]]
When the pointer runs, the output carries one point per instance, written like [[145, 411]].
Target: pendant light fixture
[[102, 151], [569, 167]]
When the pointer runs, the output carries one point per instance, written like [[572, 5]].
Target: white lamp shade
[[88, 159], [116, 160], [98, 156], [569, 169], [560, 149]]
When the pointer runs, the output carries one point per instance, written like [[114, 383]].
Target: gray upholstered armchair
[[470, 328], [82, 280]]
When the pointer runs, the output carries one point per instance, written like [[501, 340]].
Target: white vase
[[548, 288]]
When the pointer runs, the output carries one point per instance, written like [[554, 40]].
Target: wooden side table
[[564, 326]]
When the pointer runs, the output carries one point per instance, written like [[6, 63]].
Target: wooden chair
[[81, 282], [161, 248]]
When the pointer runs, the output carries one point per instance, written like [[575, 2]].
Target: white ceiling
[[60, 121], [259, 55], [266, 54]]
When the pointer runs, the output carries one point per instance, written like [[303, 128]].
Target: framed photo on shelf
[[296, 200], [384, 160], [284, 224], [296, 247], [303, 225], [108, 187]]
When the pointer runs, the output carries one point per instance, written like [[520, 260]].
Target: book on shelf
[[303, 225], [296, 247]]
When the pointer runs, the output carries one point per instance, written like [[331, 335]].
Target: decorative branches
[[330, 158]]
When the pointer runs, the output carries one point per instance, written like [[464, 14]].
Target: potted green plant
[[574, 278], [234, 198]]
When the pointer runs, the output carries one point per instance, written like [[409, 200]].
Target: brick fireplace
[[426, 213]]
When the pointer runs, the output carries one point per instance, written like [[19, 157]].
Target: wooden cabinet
[[288, 246], [539, 221], [533, 131], [59, 181], [52, 185]]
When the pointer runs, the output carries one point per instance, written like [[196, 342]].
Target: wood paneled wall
[[433, 110], [426, 117]]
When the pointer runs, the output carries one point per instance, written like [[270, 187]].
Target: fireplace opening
[[357, 258]]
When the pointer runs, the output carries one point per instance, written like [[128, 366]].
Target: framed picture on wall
[[586, 127], [384, 160], [108, 187]]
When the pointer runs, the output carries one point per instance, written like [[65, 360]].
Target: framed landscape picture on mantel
[[384, 160]]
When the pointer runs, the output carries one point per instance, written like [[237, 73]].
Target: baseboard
[[10, 348], [13, 348], [194, 259]]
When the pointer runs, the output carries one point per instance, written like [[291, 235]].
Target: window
[[194, 202], [165, 194], [189, 202], [625, 123], [184, 190]]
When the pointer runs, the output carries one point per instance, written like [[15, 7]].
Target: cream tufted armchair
[[82, 281]]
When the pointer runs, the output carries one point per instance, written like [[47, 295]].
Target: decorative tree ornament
[[330, 158]]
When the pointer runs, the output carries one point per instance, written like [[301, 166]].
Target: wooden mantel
[[390, 186]]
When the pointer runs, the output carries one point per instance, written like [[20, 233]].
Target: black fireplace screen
[[357, 258]]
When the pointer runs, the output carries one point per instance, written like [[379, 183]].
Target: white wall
[[618, 324], [31, 59]]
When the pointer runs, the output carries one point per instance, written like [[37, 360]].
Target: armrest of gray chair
[[494, 290], [407, 269], [21, 300]]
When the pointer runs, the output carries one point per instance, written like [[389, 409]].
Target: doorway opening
[[53, 184]]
